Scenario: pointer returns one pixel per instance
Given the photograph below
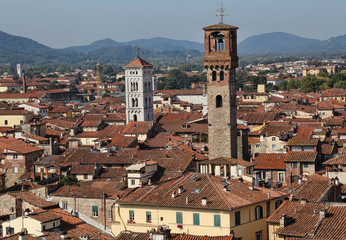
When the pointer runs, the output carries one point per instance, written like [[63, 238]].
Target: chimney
[[251, 187], [225, 188], [140, 184], [173, 194], [149, 182], [283, 220], [291, 197], [336, 181], [180, 190], [322, 214], [268, 194], [204, 201], [187, 200], [300, 180], [303, 201], [63, 235]]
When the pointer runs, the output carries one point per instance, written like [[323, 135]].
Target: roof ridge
[[218, 191]]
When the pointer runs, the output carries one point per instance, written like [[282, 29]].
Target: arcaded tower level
[[221, 61]]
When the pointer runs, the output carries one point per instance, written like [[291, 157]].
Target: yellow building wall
[[12, 120], [167, 215], [271, 232]]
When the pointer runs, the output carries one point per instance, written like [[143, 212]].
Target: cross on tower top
[[221, 14]]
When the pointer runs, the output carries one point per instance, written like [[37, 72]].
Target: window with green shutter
[[179, 217], [95, 211], [237, 218], [131, 215], [217, 220], [196, 219], [148, 217]]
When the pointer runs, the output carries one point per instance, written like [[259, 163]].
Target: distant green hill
[[160, 51], [280, 42], [154, 44]]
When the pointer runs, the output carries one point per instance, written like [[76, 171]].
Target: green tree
[[69, 180]]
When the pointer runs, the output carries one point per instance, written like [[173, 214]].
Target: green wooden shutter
[[179, 217], [131, 214], [95, 208], [196, 219], [217, 220], [148, 216]]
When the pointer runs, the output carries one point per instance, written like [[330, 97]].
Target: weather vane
[[221, 13], [138, 51]]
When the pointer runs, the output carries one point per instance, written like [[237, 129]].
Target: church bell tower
[[220, 62]]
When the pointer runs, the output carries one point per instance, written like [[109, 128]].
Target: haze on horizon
[[62, 23]]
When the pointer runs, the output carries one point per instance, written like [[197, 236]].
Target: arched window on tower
[[222, 75], [133, 102], [135, 118], [214, 75], [218, 101]]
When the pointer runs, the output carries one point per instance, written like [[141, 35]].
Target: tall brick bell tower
[[221, 61]]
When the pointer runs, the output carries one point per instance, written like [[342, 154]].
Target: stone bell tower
[[221, 61]]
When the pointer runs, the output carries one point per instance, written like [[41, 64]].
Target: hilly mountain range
[[15, 49], [281, 42]]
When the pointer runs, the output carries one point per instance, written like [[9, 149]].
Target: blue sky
[[63, 23]]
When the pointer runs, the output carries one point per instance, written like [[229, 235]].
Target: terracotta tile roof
[[230, 161], [35, 137], [260, 117], [13, 112], [328, 148], [126, 235], [253, 140], [276, 129], [138, 127], [304, 220], [303, 142], [301, 157], [107, 132], [91, 189], [196, 187], [22, 95], [115, 117], [160, 140], [75, 228], [32, 199], [90, 123], [123, 141], [313, 188], [44, 216], [219, 26], [10, 143], [138, 62], [270, 161], [341, 160], [82, 169]]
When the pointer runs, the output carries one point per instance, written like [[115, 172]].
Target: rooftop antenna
[[221, 13]]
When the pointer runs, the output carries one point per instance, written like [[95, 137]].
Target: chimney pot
[[283, 220], [180, 190], [173, 194], [204, 201], [322, 214]]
